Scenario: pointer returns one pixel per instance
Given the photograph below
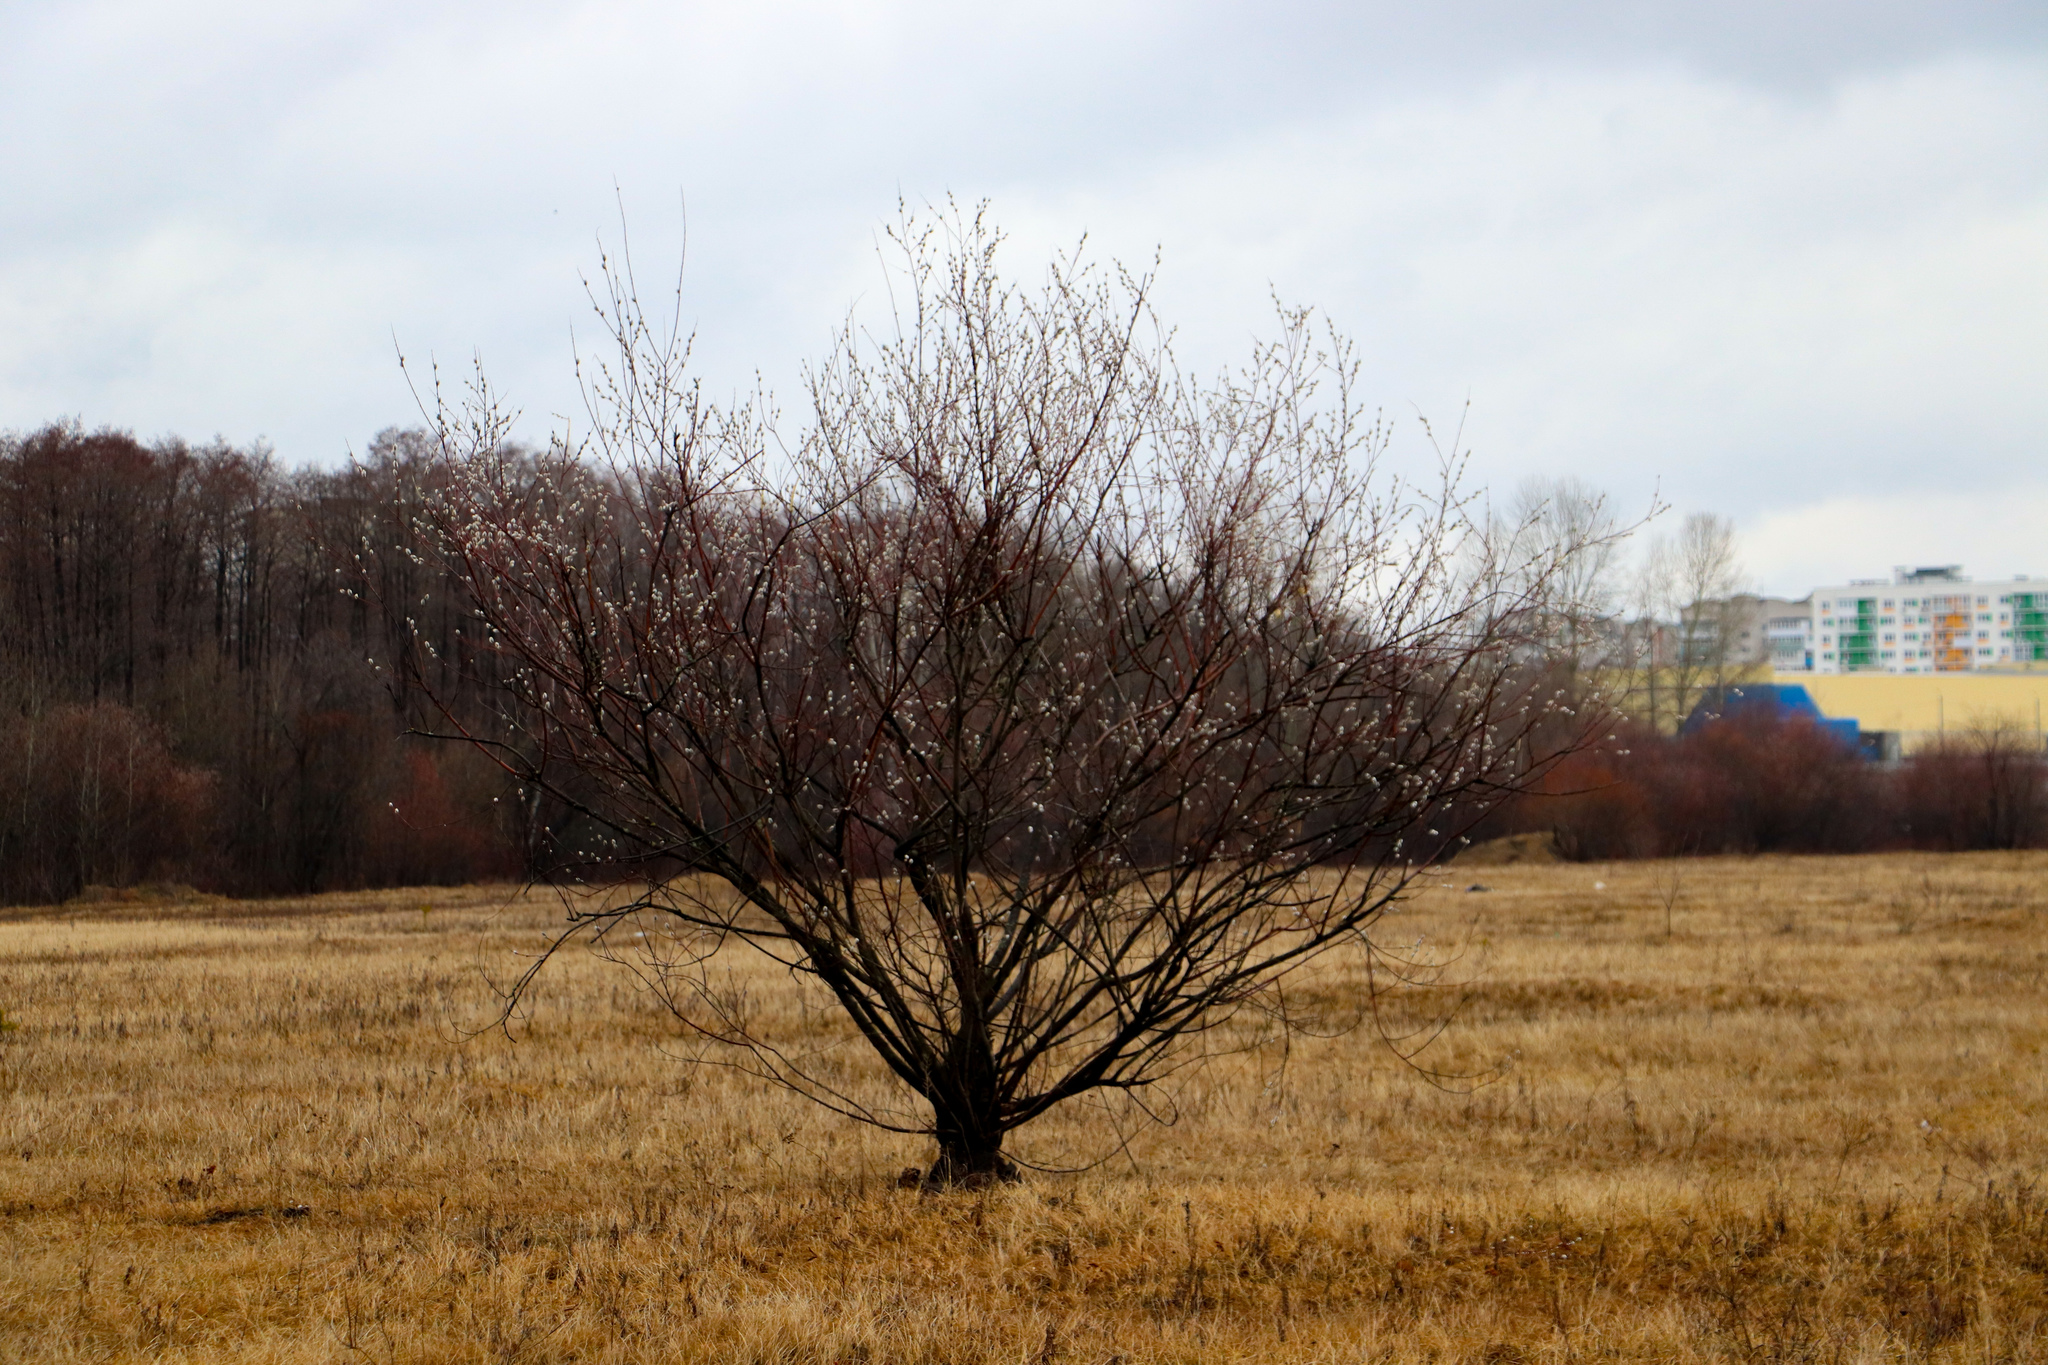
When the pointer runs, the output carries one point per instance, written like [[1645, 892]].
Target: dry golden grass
[[1795, 1114]]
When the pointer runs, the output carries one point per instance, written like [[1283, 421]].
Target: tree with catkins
[[1042, 703]]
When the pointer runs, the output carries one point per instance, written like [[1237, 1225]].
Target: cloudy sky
[[1784, 261]]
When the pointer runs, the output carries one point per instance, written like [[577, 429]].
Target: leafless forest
[[196, 647], [196, 650]]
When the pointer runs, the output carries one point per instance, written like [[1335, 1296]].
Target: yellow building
[[1921, 708]]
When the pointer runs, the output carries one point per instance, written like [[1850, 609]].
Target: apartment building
[[1924, 620], [1769, 630]]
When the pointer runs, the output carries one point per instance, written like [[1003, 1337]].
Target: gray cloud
[[1771, 255]]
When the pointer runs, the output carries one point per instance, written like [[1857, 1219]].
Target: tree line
[[215, 670], [197, 681]]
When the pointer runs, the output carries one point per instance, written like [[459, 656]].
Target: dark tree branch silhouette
[[1043, 704]]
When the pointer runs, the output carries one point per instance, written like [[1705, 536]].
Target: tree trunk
[[971, 1160], [969, 1165]]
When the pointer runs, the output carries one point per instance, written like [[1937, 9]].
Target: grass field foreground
[[1743, 1110]]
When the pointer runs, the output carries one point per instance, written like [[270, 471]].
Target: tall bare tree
[[1683, 643], [1043, 704], [1566, 529]]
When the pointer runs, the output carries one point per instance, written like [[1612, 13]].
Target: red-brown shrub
[[94, 797], [1755, 782], [1984, 789], [437, 827]]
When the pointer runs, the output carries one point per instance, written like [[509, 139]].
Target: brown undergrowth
[[1740, 1110]]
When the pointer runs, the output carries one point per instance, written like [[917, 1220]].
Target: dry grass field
[[1750, 1110]]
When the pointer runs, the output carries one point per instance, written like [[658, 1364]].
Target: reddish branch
[[1044, 705]]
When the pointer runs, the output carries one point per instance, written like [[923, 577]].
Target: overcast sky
[[1787, 262]]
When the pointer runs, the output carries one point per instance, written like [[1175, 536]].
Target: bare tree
[[1044, 705], [1682, 644], [1565, 528]]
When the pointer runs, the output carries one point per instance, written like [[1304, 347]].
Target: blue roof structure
[[1781, 701]]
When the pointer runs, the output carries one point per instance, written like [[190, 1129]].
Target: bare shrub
[[95, 798], [1984, 788], [1753, 782], [1018, 702]]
